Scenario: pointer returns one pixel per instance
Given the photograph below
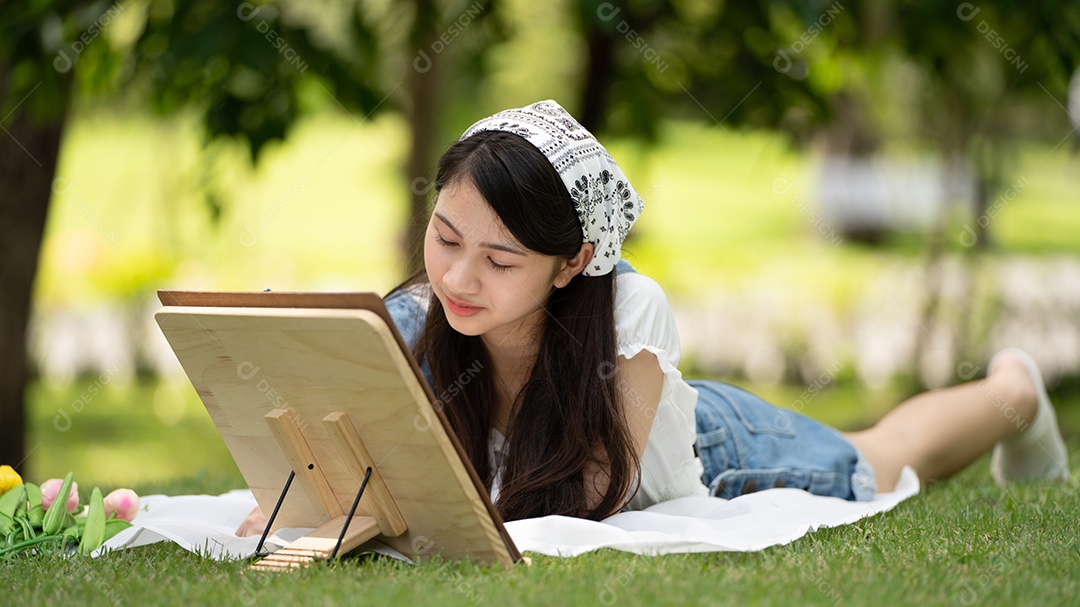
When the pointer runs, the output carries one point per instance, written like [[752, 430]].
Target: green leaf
[[54, 517], [27, 529], [6, 525], [114, 526], [33, 500], [94, 533], [9, 503]]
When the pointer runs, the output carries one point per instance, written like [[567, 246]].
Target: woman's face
[[488, 283]]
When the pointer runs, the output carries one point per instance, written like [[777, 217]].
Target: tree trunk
[[28, 154], [599, 70], [982, 204], [423, 124]]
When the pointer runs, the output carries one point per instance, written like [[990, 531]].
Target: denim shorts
[[746, 444]]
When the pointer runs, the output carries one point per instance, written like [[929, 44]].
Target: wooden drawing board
[[309, 356]]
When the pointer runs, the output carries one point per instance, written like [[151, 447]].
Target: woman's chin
[[465, 326]]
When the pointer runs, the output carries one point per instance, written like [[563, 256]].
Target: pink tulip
[[51, 487], [124, 503]]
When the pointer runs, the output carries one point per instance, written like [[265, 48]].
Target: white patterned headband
[[605, 202]]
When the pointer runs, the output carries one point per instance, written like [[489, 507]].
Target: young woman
[[556, 362]]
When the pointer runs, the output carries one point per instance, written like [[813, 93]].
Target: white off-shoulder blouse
[[644, 321]]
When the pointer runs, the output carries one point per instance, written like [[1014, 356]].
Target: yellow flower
[[9, 479]]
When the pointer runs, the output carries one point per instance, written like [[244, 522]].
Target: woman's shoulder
[[408, 306], [643, 315], [635, 290]]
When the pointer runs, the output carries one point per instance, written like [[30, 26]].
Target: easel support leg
[[352, 511], [259, 549]]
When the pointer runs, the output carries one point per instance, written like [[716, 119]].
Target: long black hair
[[566, 424]]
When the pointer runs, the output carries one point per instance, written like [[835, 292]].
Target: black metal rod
[[352, 511], [281, 498]]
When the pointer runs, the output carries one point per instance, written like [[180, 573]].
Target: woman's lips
[[460, 309]]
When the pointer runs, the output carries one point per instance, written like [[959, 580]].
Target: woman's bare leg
[[940, 432]]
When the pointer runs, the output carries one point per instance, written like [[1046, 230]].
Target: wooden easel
[[321, 388], [334, 537]]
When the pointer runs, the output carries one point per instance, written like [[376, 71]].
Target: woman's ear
[[572, 267]]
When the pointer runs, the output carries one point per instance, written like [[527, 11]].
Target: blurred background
[[846, 202]]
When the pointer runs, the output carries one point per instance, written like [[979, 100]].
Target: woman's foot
[[1037, 450]]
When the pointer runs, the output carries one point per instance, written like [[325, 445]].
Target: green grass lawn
[[965, 542]]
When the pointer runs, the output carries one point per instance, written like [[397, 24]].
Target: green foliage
[[244, 66], [9, 504], [710, 62], [24, 529], [32, 34]]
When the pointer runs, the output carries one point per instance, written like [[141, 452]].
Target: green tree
[[250, 70], [707, 61], [966, 79], [989, 76], [35, 98]]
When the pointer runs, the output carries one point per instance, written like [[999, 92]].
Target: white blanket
[[205, 524]]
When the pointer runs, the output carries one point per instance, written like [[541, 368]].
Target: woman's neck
[[512, 350], [511, 362]]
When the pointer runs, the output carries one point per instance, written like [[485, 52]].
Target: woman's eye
[[494, 266]]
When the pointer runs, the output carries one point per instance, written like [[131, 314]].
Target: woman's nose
[[461, 277]]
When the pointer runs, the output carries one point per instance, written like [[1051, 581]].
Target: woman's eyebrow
[[487, 245]]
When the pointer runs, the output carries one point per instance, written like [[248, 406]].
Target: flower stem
[[37, 540]]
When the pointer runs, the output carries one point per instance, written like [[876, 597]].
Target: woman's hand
[[253, 524]]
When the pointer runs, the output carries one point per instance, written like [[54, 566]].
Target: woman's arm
[[253, 524], [639, 382]]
